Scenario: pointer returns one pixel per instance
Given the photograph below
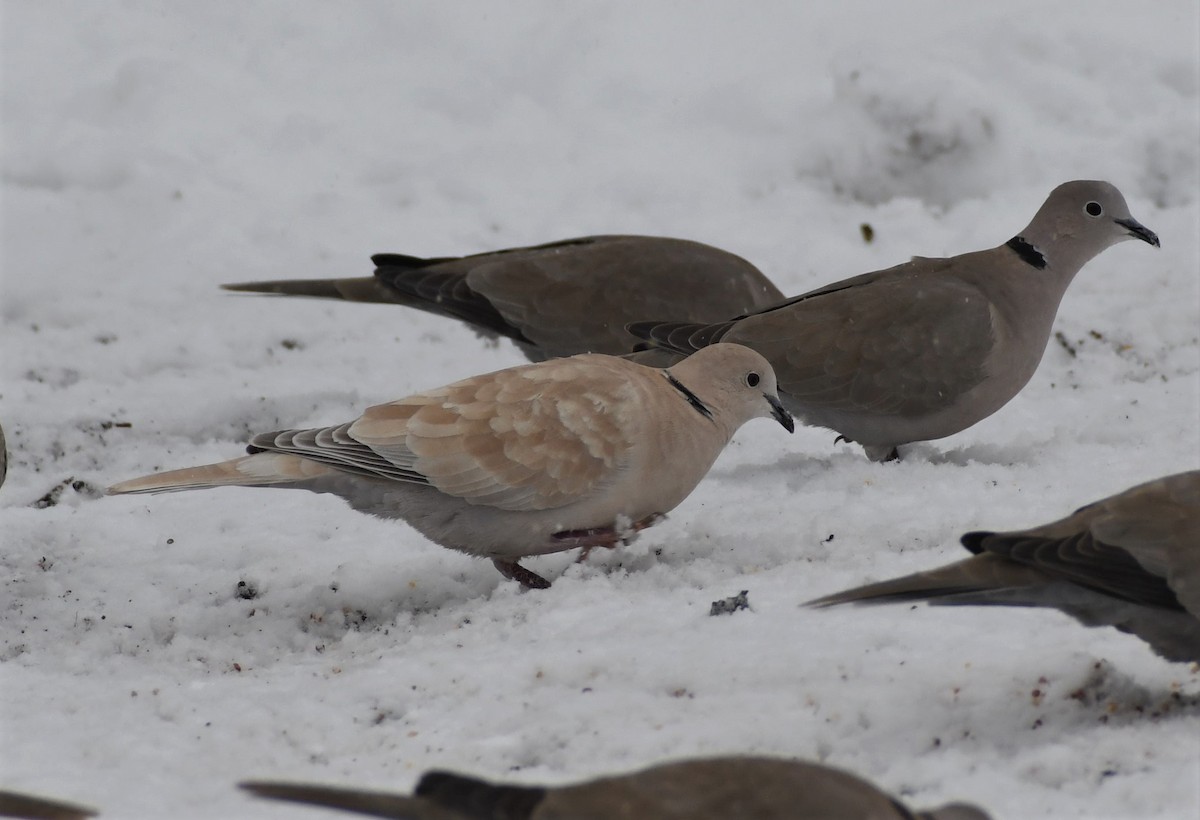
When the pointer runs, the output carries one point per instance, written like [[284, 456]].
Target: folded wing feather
[[523, 439]]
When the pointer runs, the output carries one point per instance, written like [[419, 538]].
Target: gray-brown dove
[[31, 807], [578, 452], [930, 347], [723, 788], [1131, 561], [559, 299]]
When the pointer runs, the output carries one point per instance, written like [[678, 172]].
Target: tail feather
[[15, 804], [359, 289], [681, 337], [472, 797], [258, 470], [969, 577], [356, 801]]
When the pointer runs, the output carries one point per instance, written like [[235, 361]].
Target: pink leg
[[515, 572], [607, 537]]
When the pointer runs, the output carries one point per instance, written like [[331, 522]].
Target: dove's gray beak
[[1139, 231], [780, 414]]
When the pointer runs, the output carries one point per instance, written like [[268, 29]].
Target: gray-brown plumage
[[559, 299], [576, 452], [930, 347], [30, 807], [1131, 561], [725, 788]]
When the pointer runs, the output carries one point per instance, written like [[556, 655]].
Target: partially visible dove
[[722, 788], [1131, 561], [930, 347], [559, 299], [31, 807], [576, 452]]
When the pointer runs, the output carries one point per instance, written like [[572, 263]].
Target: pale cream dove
[[576, 452], [559, 299], [723, 788], [32, 807], [930, 347], [1131, 561]]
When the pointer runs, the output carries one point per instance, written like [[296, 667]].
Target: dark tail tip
[[473, 797], [973, 541]]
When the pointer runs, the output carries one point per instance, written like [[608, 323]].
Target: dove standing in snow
[[574, 296], [577, 452], [723, 788], [927, 348], [1131, 561]]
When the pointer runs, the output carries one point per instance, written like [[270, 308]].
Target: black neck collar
[[692, 399], [1028, 253]]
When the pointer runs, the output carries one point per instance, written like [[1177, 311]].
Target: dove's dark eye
[[752, 379], [1093, 209]]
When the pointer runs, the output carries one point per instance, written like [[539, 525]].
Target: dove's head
[[1077, 221], [731, 384]]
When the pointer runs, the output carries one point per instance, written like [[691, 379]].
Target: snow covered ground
[[151, 152]]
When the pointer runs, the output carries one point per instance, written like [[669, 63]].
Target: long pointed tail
[[979, 574], [357, 801], [359, 289], [15, 804], [258, 470]]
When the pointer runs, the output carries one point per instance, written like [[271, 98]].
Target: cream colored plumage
[[576, 452]]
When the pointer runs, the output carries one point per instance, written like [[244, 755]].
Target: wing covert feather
[[1142, 545], [521, 439], [921, 352]]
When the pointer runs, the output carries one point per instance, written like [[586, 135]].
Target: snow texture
[[155, 650]]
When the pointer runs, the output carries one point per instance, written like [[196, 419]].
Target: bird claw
[[525, 577], [625, 532], [881, 452], [875, 452], [609, 537]]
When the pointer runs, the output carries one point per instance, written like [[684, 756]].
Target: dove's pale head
[[1077, 221], [731, 383]]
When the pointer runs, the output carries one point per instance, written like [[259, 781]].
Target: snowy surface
[[152, 152]]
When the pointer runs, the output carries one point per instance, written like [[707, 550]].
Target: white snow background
[[153, 151]]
